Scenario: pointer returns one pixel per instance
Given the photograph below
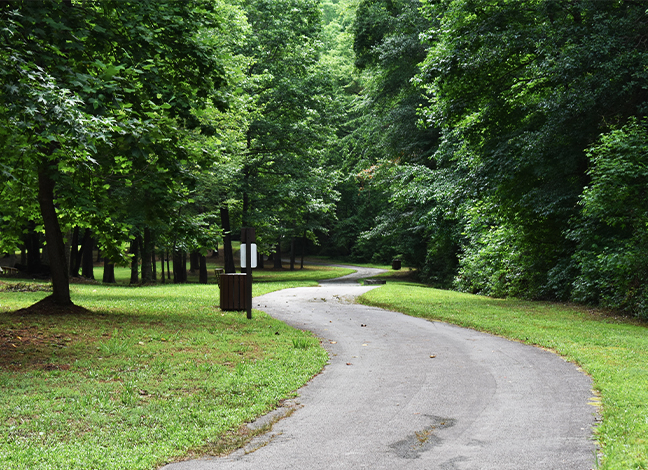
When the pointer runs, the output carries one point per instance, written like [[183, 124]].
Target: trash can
[[396, 264], [233, 291]]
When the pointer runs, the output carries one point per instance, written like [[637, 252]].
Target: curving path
[[482, 402]]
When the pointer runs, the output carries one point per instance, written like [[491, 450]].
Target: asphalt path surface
[[406, 393]]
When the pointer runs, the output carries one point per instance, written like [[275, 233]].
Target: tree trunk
[[260, 260], [134, 249], [80, 254], [194, 261], [277, 255], [54, 238], [32, 241], [87, 269], [166, 253], [74, 253], [67, 248], [303, 249], [176, 266], [162, 266], [109, 272], [154, 264], [292, 253], [179, 267], [202, 278], [147, 273], [227, 240]]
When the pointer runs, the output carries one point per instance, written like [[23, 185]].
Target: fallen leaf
[[349, 364], [363, 325], [333, 342], [432, 356]]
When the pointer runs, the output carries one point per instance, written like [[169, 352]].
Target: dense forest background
[[499, 147]]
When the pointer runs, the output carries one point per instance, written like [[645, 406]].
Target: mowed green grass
[[146, 376], [612, 350]]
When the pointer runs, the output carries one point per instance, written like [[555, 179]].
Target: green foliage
[[281, 187], [495, 263], [519, 94], [100, 93], [382, 131], [612, 257]]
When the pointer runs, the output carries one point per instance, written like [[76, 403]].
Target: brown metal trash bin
[[233, 291], [396, 264]]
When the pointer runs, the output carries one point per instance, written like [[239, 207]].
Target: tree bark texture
[[87, 269], [227, 240], [194, 261], [32, 242], [109, 272], [179, 267], [134, 249], [202, 277], [147, 272], [74, 253], [277, 255], [303, 250], [67, 247], [162, 258], [54, 239]]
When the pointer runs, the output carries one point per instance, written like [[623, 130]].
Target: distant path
[[482, 402]]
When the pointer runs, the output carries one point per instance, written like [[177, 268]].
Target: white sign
[[253, 253]]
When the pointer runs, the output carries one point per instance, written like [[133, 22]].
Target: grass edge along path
[[612, 350], [145, 375]]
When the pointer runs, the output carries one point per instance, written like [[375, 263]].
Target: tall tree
[[519, 93], [121, 77], [288, 123]]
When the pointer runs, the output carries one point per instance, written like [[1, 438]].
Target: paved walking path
[[406, 393]]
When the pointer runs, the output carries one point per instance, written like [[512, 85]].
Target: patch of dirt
[[24, 287], [47, 306], [83, 280], [28, 346]]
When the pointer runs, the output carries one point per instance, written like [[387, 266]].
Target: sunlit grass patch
[[144, 376], [613, 350]]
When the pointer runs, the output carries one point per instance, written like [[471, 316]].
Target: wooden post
[[248, 237]]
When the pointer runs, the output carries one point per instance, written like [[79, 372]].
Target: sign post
[[248, 237]]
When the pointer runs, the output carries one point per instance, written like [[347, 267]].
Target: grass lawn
[[142, 375], [612, 350]]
